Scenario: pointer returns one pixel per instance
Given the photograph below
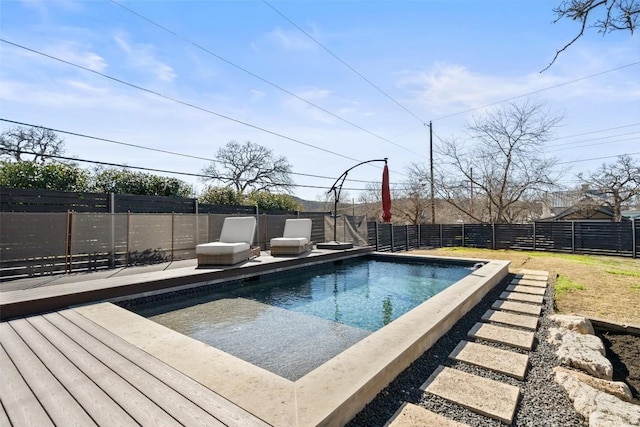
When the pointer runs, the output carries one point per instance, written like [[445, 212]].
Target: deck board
[[182, 409], [224, 410], [135, 403], [102, 409], [22, 406], [62, 369], [61, 407]]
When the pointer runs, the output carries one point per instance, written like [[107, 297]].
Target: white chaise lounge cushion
[[236, 236], [297, 232], [221, 248]]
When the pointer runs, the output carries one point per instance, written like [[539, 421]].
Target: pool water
[[292, 322]]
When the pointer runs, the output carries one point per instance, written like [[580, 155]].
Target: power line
[[598, 158], [187, 104], [262, 79], [142, 147], [142, 168], [595, 143], [537, 91], [343, 62], [598, 131]]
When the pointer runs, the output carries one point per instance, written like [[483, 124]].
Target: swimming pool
[[292, 323], [332, 393]]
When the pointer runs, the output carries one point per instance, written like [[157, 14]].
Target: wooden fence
[[583, 237]]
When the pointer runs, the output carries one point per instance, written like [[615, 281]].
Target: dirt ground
[[606, 288]]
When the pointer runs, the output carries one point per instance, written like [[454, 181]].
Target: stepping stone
[[527, 322], [410, 415], [533, 290], [517, 296], [495, 359], [529, 282], [500, 334], [532, 277], [481, 395], [527, 272], [517, 307]]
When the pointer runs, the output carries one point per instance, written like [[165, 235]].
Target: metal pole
[[406, 236], [493, 236], [112, 231], [433, 200], [377, 237], [441, 243], [419, 246], [463, 234], [534, 235], [573, 237], [633, 238], [392, 242]]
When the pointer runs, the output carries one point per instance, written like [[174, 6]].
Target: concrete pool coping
[[332, 393]]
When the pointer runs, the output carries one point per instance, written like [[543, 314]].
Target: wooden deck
[[61, 369]]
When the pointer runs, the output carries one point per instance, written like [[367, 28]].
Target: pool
[[330, 394], [292, 323]]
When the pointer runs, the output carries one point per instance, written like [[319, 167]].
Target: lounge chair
[[295, 240], [234, 245]]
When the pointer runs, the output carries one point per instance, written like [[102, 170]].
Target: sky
[[326, 84]]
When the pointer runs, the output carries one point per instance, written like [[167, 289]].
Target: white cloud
[[142, 58], [289, 40], [77, 54]]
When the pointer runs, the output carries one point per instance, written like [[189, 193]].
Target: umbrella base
[[336, 246]]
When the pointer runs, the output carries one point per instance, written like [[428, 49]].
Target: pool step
[[520, 297], [503, 361], [517, 307], [511, 319], [410, 415], [482, 395], [530, 282], [502, 335], [534, 290]]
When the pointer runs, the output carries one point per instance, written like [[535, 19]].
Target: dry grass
[[592, 286]]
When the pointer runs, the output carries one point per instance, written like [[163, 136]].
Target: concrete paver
[[528, 272], [518, 296], [500, 334], [495, 359], [529, 282], [520, 320], [481, 395], [533, 290], [518, 307], [410, 415]]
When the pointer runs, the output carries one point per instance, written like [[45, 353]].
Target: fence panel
[[399, 238], [98, 241], [553, 236], [34, 200], [153, 204], [430, 235], [599, 238], [412, 237], [384, 237], [514, 236], [451, 235], [317, 225], [478, 235], [150, 238]]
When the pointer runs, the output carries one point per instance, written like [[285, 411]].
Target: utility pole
[[433, 200], [471, 185]]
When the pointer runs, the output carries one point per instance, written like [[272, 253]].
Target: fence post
[[258, 226], [377, 237], [406, 236], [493, 236], [173, 233], [128, 234], [463, 234], [112, 231], [419, 245], [392, 242], [534, 235], [633, 238], [68, 259], [573, 237], [441, 243], [196, 207]]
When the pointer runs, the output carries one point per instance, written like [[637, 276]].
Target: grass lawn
[[593, 286]]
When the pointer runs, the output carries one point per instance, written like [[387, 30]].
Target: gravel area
[[543, 402]]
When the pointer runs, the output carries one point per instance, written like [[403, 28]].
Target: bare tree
[[412, 202], [252, 167], [620, 180], [496, 176], [371, 200], [30, 144], [604, 15]]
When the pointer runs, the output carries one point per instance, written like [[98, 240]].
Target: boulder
[[581, 351], [600, 408], [578, 324], [615, 388]]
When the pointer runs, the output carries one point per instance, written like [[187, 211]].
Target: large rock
[[578, 324], [581, 351], [601, 409], [615, 388]]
